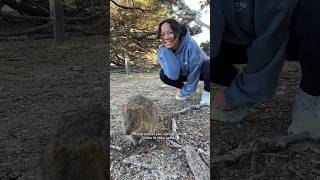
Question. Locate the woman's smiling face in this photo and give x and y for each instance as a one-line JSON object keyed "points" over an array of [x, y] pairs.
{"points": [[168, 37]]}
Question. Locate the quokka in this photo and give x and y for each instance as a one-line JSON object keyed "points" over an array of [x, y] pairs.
{"points": [[78, 148], [139, 117]]}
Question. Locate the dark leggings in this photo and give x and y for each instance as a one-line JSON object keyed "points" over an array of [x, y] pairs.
{"points": [[179, 83], [304, 44], [223, 70], [304, 51]]}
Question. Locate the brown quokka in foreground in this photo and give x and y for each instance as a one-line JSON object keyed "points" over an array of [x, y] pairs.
{"points": [[77, 151], [140, 117]]}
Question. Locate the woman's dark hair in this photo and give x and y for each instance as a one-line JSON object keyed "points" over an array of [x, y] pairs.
{"points": [[176, 27]]}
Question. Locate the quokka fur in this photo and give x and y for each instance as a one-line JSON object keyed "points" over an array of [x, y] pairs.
{"points": [[139, 117]]}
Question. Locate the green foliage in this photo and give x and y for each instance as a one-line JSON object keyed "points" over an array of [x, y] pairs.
{"points": [[196, 29], [133, 29], [204, 4], [205, 46], [181, 10], [68, 2]]}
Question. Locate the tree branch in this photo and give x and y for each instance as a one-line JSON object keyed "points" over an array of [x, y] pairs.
{"points": [[24, 17], [130, 8], [26, 7], [260, 145], [195, 19]]}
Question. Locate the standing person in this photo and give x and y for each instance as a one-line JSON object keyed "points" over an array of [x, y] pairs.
{"points": [[304, 46], [182, 61], [251, 32]]}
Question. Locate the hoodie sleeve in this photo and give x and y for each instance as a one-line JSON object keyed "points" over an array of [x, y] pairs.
{"points": [[266, 54], [169, 63], [195, 62]]}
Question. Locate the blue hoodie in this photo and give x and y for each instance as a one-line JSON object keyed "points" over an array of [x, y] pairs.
{"points": [[263, 26], [186, 61]]}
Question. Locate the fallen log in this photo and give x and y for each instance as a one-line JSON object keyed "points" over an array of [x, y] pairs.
{"points": [[135, 162], [24, 38], [192, 107], [26, 7], [199, 168], [48, 28], [31, 30]]}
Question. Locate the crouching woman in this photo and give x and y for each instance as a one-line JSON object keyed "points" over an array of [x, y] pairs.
{"points": [[183, 63]]}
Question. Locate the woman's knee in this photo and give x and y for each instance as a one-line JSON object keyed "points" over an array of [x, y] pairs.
{"points": [[165, 79]]}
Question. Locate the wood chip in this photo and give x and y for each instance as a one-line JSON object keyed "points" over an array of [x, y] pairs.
{"points": [[135, 162], [115, 147]]}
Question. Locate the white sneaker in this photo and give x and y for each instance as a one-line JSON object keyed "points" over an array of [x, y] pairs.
{"points": [[181, 98], [205, 98], [306, 114], [231, 115]]}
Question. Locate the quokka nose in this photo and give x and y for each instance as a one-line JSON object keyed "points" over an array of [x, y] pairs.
{"points": [[128, 132]]}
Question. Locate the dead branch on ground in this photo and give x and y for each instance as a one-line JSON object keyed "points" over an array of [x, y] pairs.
{"points": [[197, 165], [260, 146]]}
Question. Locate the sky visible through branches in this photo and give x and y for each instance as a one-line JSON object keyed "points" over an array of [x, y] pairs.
{"points": [[205, 17]]}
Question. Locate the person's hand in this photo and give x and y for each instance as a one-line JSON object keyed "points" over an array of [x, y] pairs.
{"points": [[219, 99], [178, 92], [161, 46], [179, 96]]}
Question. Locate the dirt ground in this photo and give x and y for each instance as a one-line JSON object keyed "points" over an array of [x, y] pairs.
{"points": [[39, 82], [162, 160], [159, 158], [298, 161]]}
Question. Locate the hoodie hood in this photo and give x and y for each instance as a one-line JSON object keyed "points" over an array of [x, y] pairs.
{"points": [[184, 41]]}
